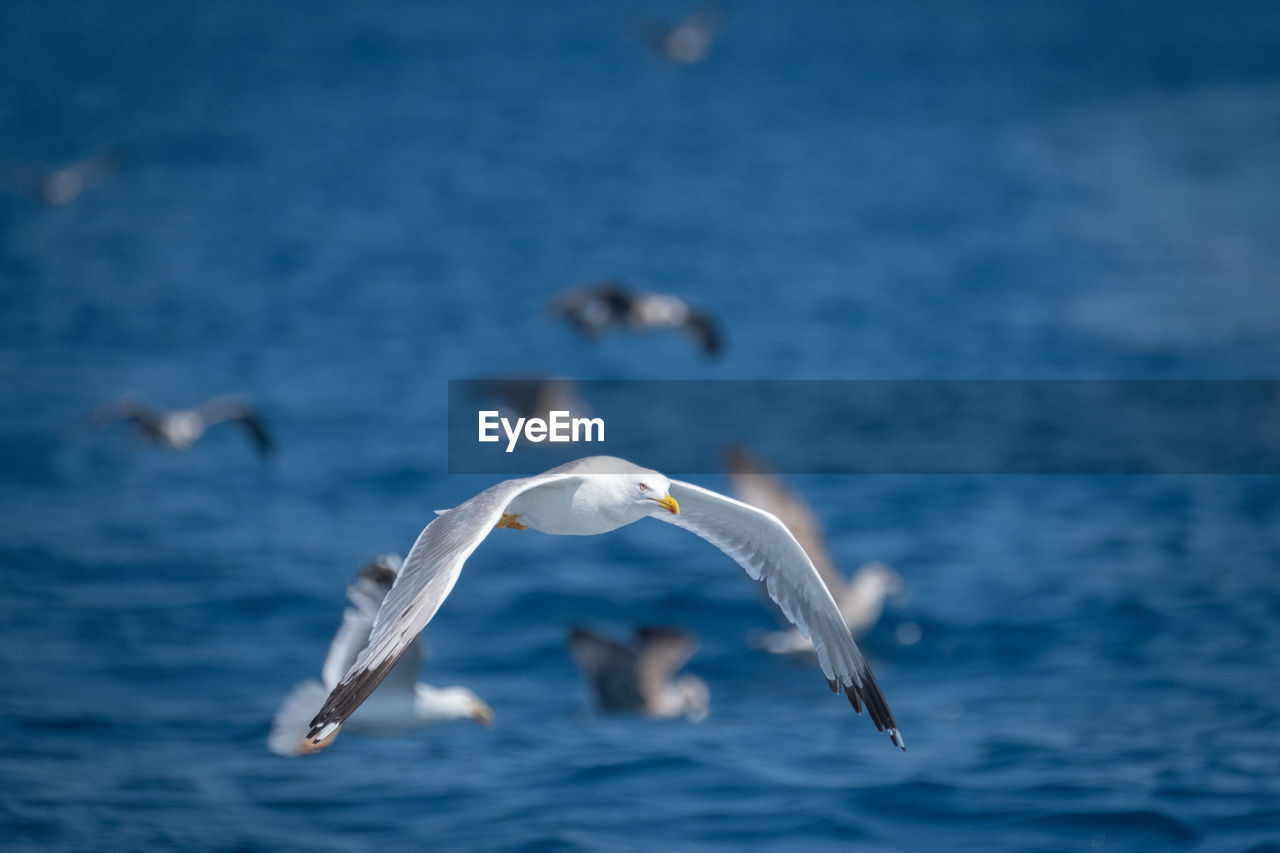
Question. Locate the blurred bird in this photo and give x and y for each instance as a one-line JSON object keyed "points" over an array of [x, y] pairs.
{"points": [[64, 185], [400, 704], [592, 310], [181, 428], [861, 601], [638, 678], [535, 397], [687, 42]]}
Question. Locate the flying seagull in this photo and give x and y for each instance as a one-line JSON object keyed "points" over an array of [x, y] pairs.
{"points": [[861, 601], [66, 183], [534, 396], [686, 42], [594, 309], [400, 704], [637, 678], [585, 497], [180, 428]]}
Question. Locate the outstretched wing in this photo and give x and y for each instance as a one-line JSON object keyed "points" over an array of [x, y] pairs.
{"points": [[754, 484], [290, 722], [144, 417], [610, 668], [428, 575], [763, 546], [367, 595], [590, 310], [705, 332], [660, 653], [231, 408]]}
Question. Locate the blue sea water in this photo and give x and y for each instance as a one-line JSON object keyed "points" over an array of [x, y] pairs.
{"points": [[337, 207]]}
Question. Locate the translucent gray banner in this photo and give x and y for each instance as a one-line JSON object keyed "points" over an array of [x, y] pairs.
{"points": [[871, 427]]}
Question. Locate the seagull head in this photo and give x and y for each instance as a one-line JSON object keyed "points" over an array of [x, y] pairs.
{"points": [[879, 580], [652, 486], [480, 712], [695, 698], [437, 704]]}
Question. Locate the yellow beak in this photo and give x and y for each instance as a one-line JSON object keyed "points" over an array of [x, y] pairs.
{"points": [[668, 503], [483, 715]]}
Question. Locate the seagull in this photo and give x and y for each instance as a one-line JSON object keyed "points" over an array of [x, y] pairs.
{"points": [[65, 184], [586, 497], [687, 42], [400, 704], [535, 396], [180, 428], [591, 310], [637, 678], [861, 601]]}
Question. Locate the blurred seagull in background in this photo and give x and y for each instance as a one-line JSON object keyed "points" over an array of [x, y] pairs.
{"points": [[637, 678], [861, 601], [586, 497], [181, 428], [535, 397], [399, 705], [64, 185], [594, 309], [687, 42]]}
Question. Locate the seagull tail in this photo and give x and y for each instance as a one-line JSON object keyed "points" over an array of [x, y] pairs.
{"points": [[289, 728]]}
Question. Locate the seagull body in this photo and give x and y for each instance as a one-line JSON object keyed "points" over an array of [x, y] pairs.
{"points": [[686, 42], [400, 704], [180, 428], [594, 309], [65, 184], [586, 497], [637, 678], [536, 397], [861, 601]]}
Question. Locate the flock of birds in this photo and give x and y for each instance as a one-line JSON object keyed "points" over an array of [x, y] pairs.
{"points": [[686, 42], [586, 497], [369, 682]]}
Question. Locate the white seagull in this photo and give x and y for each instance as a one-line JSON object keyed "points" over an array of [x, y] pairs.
{"points": [[594, 309], [178, 429], [686, 42], [583, 498], [400, 704], [65, 184], [637, 678], [861, 600]]}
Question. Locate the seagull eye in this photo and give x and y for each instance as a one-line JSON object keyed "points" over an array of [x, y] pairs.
{"points": [[643, 487]]}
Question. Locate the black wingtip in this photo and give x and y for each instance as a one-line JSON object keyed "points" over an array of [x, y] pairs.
{"points": [[869, 694], [347, 696]]}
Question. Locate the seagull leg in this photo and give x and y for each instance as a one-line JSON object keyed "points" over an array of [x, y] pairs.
{"points": [[511, 520]]}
